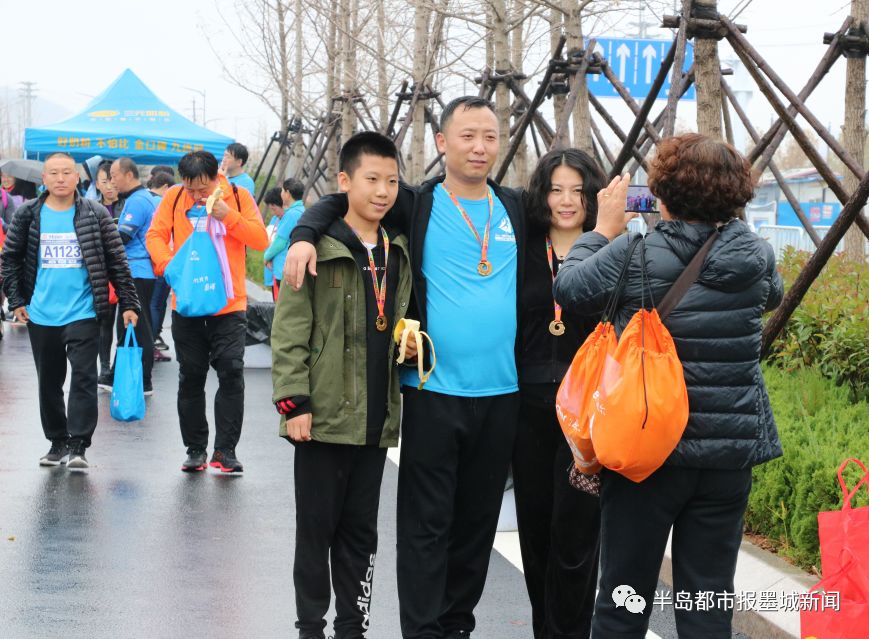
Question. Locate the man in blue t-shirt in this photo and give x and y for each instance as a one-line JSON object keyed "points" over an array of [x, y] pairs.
{"points": [[234, 159], [61, 253], [467, 239], [133, 223], [291, 193]]}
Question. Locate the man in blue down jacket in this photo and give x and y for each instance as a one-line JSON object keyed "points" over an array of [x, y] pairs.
{"points": [[702, 490]]}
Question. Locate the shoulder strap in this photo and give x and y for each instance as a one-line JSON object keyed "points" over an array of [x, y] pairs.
{"points": [[686, 279], [616, 294], [177, 197], [237, 201], [5, 198]]}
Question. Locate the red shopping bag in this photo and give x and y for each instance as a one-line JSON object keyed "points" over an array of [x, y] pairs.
{"points": [[844, 538], [829, 614], [113, 296]]}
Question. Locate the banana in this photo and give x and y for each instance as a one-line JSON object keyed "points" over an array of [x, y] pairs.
{"points": [[405, 329], [212, 199]]}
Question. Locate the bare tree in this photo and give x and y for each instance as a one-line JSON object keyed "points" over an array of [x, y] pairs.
{"points": [[855, 127], [708, 77]]}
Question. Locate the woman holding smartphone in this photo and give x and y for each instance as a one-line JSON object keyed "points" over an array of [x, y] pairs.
{"points": [[558, 525]]}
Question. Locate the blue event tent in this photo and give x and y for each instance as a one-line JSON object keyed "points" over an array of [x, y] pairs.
{"points": [[126, 119]]}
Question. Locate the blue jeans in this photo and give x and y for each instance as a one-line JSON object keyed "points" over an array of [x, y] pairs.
{"points": [[158, 305]]}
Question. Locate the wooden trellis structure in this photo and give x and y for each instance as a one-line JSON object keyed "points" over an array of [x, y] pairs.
{"points": [[699, 21]]}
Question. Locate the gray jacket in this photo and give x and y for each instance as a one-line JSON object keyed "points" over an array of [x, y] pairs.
{"points": [[716, 328]]}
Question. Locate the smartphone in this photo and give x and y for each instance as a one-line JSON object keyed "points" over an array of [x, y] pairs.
{"points": [[641, 200]]}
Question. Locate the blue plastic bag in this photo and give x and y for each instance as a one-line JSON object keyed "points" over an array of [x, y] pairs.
{"points": [[128, 393], [195, 276]]}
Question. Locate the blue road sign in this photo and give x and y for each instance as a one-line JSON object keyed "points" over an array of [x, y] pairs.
{"points": [[636, 63]]}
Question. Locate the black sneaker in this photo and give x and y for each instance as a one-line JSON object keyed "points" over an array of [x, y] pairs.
{"points": [[160, 357], [149, 389], [160, 345], [196, 461], [225, 461], [77, 460], [55, 456], [105, 382]]}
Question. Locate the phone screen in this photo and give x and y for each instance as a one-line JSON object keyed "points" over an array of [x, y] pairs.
{"points": [[641, 200]]}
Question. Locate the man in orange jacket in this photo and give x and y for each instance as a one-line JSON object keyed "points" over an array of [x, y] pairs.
{"points": [[216, 339]]}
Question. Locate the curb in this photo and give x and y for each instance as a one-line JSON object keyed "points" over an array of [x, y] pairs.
{"points": [[758, 570]]}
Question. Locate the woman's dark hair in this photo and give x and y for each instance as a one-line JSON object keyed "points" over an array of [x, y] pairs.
{"points": [[198, 164], [700, 179], [104, 167], [273, 196], [536, 197]]}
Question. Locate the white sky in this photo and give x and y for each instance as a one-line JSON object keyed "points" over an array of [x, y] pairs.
{"points": [[73, 50]]}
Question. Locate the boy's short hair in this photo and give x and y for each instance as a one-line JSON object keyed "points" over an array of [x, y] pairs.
{"points": [[160, 179], [294, 187], [365, 143], [162, 168], [198, 164], [273, 196], [239, 152]]}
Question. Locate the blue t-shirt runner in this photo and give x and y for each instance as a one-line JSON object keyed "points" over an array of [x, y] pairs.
{"points": [[134, 222], [285, 227], [62, 294], [471, 318], [243, 180]]}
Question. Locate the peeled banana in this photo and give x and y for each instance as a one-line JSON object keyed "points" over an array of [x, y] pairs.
{"points": [[212, 199], [404, 330]]}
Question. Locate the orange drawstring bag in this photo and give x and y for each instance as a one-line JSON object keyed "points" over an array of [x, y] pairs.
{"points": [[640, 409], [573, 402]]}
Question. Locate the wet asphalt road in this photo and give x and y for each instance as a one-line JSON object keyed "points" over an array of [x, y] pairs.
{"points": [[135, 548]]}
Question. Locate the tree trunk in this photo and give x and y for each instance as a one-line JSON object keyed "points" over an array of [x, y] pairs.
{"points": [[556, 24], [502, 66], [422, 19], [298, 96], [348, 116], [284, 158], [519, 166], [855, 128], [581, 115], [708, 76], [382, 79], [333, 72]]}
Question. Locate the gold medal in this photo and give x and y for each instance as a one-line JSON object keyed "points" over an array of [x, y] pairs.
{"points": [[380, 323], [484, 268], [556, 327]]}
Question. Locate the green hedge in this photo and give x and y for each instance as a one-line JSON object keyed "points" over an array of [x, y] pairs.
{"points": [[830, 328], [820, 426]]}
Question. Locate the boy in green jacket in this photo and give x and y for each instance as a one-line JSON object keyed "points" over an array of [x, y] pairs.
{"points": [[336, 387]]}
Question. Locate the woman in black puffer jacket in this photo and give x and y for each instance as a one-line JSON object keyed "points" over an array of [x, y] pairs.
{"points": [[702, 490]]}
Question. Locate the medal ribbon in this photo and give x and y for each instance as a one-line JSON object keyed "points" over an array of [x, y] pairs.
{"points": [[484, 242], [379, 289], [552, 271]]}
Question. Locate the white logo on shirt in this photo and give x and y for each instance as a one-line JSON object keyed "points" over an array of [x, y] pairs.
{"points": [[60, 250], [506, 234]]}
